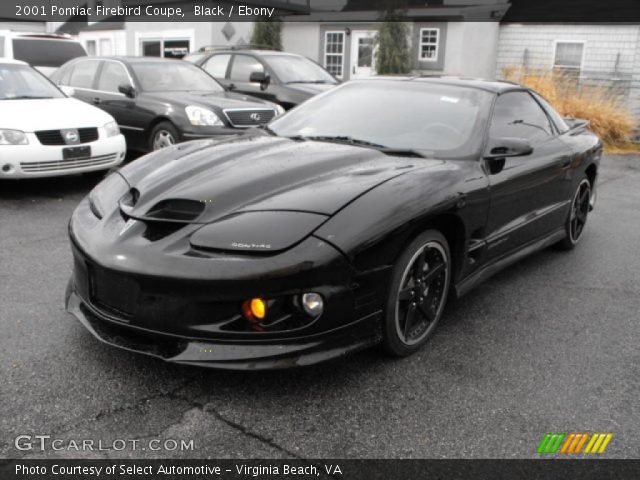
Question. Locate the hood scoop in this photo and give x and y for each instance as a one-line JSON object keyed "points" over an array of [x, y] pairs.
{"points": [[175, 210]]}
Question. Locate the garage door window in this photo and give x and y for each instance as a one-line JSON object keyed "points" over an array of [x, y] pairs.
{"points": [[168, 48], [568, 55]]}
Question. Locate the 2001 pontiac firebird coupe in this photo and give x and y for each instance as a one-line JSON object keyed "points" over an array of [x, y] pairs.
{"points": [[343, 224]]}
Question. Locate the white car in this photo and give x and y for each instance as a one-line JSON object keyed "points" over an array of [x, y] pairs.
{"points": [[43, 132], [44, 51]]}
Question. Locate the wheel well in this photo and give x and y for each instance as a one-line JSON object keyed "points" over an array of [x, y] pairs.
{"points": [[156, 121], [452, 227], [591, 173]]}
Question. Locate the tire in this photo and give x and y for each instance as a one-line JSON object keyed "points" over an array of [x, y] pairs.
{"points": [[163, 135], [577, 216], [417, 294]]}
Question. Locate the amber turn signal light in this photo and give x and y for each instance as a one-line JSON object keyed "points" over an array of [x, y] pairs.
{"points": [[255, 309]]}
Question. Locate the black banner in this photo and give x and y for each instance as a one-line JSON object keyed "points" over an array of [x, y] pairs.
{"points": [[320, 468], [335, 11]]}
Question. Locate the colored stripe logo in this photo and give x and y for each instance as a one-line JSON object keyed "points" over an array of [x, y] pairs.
{"points": [[573, 443]]}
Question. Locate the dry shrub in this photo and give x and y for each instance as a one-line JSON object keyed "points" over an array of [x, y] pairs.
{"points": [[607, 115]]}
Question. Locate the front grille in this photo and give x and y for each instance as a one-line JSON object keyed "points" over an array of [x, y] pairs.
{"points": [[249, 117], [114, 293], [54, 137], [61, 165]]}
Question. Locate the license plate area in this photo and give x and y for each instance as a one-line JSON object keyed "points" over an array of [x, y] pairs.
{"points": [[115, 294], [74, 153]]}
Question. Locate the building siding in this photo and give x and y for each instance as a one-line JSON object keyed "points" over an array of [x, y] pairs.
{"points": [[611, 54]]}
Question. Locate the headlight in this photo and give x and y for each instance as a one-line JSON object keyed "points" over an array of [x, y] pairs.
{"points": [[106, 194], [202, 116], [13, 137], [112, 129], [279, 110]]}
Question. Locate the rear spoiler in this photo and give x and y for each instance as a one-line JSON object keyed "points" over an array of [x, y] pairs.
{"points": [[576, 123]]}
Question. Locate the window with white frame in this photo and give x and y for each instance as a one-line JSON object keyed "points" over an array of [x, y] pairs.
{"points": [[429, 42], [568, 55], [334, 52]]}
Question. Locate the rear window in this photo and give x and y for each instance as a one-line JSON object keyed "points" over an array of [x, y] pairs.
{"points": [[46, 52]]}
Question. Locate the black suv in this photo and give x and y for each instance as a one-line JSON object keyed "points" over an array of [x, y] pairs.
{"points": [[158, 102], [284, 78]]}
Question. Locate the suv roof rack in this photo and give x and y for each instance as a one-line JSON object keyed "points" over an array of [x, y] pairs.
{"points": [[244, 46]]}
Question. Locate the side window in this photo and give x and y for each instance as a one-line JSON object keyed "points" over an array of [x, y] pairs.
{"points": [[243, 66], [556, 118], [112, 76], [216, 66], [1, 46], [84, 73], [517, 114], [65, 75]]}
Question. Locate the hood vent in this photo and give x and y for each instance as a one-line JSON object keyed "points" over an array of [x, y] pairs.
{"points": [[177, 210]]}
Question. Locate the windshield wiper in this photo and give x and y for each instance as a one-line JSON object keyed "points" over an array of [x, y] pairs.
{"points": [[400, 152], [267, 129], [344, 139]]}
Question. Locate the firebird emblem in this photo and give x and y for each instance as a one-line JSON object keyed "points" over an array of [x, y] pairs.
{"points": [[255, 117]]}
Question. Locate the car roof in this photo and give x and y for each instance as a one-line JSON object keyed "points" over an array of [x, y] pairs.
{"points": [[131, 59], [39, 35], [11, 61], [253, 51], [493, 86]]}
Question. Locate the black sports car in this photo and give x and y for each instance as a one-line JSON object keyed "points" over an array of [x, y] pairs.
{"points": [[345, 223], [158, 102], [284, 78]]}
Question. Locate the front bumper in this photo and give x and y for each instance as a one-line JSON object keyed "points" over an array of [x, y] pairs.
{"points": [[36, 160], [229, 355]]}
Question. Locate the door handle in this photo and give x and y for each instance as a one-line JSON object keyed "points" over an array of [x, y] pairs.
{"points": [[96, 101]]}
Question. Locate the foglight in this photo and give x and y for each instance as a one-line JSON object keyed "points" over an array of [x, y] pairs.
{"points": [[312, 304]]}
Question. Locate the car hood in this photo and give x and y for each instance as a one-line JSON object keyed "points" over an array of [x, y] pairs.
{"points": [[311, 88], [222, 99], [50, 114], [258, 172]]}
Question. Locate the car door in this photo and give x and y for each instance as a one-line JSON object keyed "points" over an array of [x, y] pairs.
{"points": [[122, 108], [528, 195], [83, 79]]}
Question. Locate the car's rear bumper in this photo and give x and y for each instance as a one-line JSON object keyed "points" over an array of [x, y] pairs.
{"points": [[227, 354], [36, 160]]}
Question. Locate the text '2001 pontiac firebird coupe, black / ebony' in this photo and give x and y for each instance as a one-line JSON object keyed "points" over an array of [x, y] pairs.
{"points": [[344, 224]]}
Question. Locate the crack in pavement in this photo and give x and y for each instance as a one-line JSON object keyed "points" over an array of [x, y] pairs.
{"points": [[105, 414]]}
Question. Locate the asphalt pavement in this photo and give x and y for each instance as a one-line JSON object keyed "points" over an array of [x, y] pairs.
{"points": [[551, 344]]}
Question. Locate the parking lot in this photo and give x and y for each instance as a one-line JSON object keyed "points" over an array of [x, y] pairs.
{"points": [[549, 345]]}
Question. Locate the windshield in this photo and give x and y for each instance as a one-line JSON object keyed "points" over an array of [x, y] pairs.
{"points": [[23, 82], [46, 52], [293, 69], [435, 119], [174, 76]]}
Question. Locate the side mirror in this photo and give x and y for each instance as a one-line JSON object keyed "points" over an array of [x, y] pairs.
{"points": [[260, 77], [68, 91], [500, 149], [127, 90]]}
